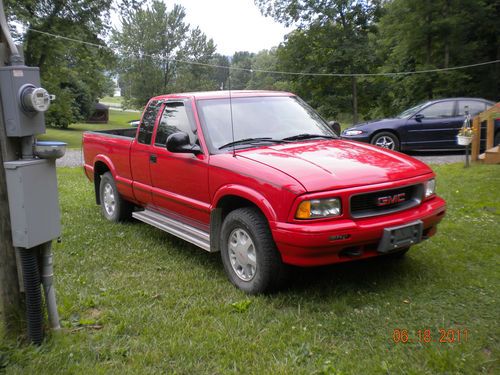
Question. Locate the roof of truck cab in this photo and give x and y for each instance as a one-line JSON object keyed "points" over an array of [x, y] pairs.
{"points": [[223, 94]]}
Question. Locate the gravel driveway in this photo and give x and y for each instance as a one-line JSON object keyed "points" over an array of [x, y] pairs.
{"points": [[74, 158], [444, 157]]}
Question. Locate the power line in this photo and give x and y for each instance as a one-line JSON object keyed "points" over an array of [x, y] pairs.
{"points": [[385, 74]]}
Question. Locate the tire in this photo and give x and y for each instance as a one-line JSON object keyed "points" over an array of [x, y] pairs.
{"points": [[496, 141], [386, 140], [249, 254], [113, 206]]}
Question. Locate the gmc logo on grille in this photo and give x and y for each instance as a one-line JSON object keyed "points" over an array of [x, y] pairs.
{"points": [[391, 199]]}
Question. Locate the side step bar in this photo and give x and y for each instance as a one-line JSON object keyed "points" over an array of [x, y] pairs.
{"points": [[186, 232]]}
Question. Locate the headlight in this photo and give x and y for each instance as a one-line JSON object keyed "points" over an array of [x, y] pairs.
{"points": [[430, 188], [352, 132], [317, 208]]}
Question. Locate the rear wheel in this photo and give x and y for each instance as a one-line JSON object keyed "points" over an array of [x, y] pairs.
{"points": [[496, 142], [113, 206], [386, 140], [251, 260]]}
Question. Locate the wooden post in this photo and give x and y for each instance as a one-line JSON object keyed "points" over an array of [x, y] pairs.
{"points": [[11, 299], [490, 131], [476, 140]]}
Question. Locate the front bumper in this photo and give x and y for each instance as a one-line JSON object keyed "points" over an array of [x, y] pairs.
{"points": [[358, 138], [335, 241]]}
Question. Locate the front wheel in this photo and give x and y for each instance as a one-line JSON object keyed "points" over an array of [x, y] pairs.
{"points": [[386, 140], [113, 206], [249, 255]]}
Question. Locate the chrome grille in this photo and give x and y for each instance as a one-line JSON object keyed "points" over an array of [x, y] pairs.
{"points": [[385, 201]]}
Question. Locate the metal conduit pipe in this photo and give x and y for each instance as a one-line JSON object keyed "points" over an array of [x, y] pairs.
{"points": [[15, 56], [31, 279], [27, 147], [48, 287]]}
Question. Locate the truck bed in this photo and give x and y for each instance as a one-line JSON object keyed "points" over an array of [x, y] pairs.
{"points": [[127, 132], [113, 145]]}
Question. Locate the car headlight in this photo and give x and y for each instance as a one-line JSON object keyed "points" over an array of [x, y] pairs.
{"points": [[352, 132], [430, 187], [317, 208]]}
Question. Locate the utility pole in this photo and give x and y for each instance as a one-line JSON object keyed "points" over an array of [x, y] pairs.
{"points": [[11, 299]]}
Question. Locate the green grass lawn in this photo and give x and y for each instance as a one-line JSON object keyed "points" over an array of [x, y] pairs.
{"points": [[111, 99], [133, 299], [73, 135]]}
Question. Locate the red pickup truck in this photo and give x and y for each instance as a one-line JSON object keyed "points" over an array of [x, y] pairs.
{"points": [[260, 177]]}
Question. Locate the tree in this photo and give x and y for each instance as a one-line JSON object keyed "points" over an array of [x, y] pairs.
{"points": [[193, 77], [155, 46], [220, 74], [241, 74], [332, 37], [74, 72], [438, 34], [266, 60]]}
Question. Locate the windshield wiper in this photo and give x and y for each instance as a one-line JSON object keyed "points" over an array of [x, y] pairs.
{"points": [[307, 136], [251, 141]]}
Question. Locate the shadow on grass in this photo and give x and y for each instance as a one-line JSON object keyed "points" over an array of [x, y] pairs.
{"points": [[371, 275], [363, 275]]}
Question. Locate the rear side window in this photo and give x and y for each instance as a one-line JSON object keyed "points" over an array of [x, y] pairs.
{"points": [[174, 119], [148, 122], [439, 110], [474, 107]]}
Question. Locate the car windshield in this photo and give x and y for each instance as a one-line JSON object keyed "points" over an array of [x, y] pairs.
{"points": [[276, 119], [410, 112]]}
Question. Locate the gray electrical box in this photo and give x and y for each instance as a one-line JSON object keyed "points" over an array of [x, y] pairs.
{"points": [[33, 201], [19, 123]]}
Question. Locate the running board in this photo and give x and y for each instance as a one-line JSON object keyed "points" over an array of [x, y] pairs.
{"points": [[186, 232]]}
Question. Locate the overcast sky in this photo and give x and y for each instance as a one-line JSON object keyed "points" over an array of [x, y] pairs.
{"points": [[234, 25]]}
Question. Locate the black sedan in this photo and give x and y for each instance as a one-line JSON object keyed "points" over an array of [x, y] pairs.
{"points": [[430, 125]]}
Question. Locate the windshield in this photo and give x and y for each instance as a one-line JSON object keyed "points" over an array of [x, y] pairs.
{"points": [[274, 118], [410, 112]]}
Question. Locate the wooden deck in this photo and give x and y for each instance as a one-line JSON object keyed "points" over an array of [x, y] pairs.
{"points": [[492, 154]]}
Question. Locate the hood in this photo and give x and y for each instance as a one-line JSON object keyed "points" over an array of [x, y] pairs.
{"points": [[385, 121], [336, 164]]}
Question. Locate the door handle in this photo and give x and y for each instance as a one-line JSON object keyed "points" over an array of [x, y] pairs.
{"points": [[153, 158]]}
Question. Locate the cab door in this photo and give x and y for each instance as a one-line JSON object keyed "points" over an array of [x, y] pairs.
{"points": [[140, 153], [180, 181]]}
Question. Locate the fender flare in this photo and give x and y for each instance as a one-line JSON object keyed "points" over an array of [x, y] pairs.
{"points": [[246, 193], [109, 164], [107, 161], [236, 191]]}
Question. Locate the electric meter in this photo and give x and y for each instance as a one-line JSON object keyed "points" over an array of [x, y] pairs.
{"points": [[35, 99], [23, 101]]}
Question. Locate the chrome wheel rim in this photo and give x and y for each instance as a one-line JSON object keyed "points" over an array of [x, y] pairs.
{"points": [[242, 255], [109, 199], [385, 142]]}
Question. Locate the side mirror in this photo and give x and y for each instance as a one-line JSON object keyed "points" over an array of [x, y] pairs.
{"points": [[419, 117], [335, 127], [179, 143]]}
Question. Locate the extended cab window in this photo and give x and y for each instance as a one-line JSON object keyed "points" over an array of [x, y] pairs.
{"points": [[148, 122], [174, 119]]}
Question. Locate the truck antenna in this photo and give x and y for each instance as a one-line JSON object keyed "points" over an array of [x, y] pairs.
{"points": [[231, 109]]}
